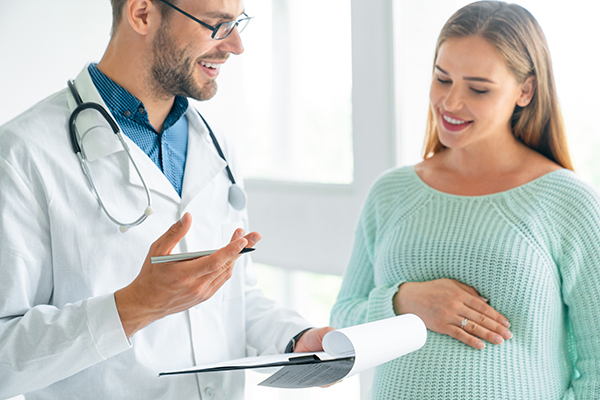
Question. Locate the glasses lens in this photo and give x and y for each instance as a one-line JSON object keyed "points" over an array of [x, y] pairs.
{"points": [[243, 23], [227, 27]]}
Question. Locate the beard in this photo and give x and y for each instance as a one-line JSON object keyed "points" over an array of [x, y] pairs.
{"points": [[172, 70]]}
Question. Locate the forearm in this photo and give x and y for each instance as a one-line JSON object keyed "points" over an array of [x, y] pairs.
{"points": [[48, 344], [352, 310]]}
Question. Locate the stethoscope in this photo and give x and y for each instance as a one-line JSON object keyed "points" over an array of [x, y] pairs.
{"points": [[236, 195]]}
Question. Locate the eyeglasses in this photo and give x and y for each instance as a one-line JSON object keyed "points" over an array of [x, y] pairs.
{"points": [[220, 31]]}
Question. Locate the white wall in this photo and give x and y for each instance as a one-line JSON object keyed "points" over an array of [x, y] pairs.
{"points": [[43, 44]]}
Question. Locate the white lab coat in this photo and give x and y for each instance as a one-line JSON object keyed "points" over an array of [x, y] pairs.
{"points": [[61, 260]]}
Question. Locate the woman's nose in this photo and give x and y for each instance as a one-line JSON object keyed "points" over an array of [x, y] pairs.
{"points": [[453, 99]]}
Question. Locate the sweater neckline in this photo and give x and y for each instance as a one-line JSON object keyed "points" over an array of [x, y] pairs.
{"points": [[485, 196]]}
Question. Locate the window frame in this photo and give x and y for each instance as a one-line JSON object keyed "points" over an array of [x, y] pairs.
{"points": [[311, 226]]}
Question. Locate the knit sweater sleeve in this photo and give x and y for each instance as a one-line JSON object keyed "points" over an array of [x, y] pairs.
{"points": [[360, 299], [576, 241]]}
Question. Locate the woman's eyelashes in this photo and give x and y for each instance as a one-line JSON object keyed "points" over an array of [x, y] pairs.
{"points": [[448, 81], [479, 91]]}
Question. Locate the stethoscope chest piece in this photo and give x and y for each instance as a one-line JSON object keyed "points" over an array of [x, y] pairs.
{"points": [[237, 197]]}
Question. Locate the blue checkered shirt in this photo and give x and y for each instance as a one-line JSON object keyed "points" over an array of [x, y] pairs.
{"points": [[168, 148]]}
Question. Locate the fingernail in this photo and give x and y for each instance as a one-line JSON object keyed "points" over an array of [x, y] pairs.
{"points": [[506, 323], [507, 334], [480, 345], [484, 299], [498, 339]]}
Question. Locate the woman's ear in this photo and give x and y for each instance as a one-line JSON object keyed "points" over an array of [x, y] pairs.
{"points": [[527, 91]]}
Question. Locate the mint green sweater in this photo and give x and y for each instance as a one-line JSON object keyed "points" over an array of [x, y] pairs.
{"points": [[533, 251]]}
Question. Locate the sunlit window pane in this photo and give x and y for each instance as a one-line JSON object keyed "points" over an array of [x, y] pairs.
{"points": [[287, 99]]}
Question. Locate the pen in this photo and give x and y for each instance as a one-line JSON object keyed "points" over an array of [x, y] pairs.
{"points": [[189, 256]]}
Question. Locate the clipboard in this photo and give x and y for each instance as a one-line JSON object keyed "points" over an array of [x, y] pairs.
{"points": [[348, 351]]}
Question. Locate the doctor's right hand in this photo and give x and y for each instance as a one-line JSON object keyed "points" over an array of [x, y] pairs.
{"points": [[169, 288]]}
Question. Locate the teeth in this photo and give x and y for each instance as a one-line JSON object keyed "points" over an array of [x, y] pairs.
{"points": [[453, 121], [210, 65]]}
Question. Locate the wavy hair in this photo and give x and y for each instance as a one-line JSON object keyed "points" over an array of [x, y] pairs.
{"points": [[518, 37]]}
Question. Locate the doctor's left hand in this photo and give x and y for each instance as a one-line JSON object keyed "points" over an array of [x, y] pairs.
{"points": [[312, 340], [163, 289]]}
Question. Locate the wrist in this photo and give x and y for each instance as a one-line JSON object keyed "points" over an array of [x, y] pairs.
{"points": [[399, 299], [134, 316], [291, 346]]}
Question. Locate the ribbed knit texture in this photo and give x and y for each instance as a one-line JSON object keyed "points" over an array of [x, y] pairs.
{"points": [[533, 251]]}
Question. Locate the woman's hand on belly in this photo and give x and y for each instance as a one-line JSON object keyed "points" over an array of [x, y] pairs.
{"points": [[452, 308]]}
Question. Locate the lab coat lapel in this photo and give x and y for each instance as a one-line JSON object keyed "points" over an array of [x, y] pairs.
{"points": [[102, 142], [203, 163], [95, 135]]}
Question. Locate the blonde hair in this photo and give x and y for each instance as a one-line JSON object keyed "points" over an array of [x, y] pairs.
{"points": [[517, 36]]}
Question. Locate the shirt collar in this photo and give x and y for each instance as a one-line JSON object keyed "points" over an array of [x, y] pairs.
{"points": [[123, 104]]}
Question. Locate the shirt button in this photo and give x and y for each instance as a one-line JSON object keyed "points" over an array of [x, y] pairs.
{"points": [[208, 392], [141, 110], [127, 113]]}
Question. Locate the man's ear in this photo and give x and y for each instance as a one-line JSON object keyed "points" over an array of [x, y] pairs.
{"points": [[141, 15], [527, 91]]}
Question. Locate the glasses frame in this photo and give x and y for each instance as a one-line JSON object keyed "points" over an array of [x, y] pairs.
{"points": [[214, 29]]}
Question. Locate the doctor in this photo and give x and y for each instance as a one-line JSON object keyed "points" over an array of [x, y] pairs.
{"points": [[79, 318]]}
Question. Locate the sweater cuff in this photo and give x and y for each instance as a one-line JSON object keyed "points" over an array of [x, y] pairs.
{"points": [[105, 326], [381, 303]]}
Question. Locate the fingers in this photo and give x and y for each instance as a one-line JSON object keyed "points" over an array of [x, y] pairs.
{"points": [[232, 250], [444, 304], [482, 307], [165, 244], [252, 237], [462, 335], [480, 322], [485, 328], [312, 340]]}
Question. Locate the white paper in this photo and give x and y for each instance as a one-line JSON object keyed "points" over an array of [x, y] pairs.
{"points": [[378, 342], [348, 351]]}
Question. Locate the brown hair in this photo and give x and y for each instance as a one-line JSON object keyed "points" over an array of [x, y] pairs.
{"points": [[517, 36], [119, 5]]}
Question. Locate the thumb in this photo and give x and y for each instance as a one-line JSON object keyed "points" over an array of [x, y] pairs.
{"points": [[312, 340], [170, 238]]}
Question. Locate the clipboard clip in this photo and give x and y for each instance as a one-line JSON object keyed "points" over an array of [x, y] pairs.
{"points": [[312, 358]]}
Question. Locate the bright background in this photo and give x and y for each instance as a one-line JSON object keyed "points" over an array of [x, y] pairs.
{"points": [[328, 95]]}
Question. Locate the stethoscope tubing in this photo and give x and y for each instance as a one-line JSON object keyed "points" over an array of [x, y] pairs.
{"points": [[81, 106], [236, 197]]}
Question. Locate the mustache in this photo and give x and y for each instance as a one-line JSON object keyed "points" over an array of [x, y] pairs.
{"points": [[214, 56]]}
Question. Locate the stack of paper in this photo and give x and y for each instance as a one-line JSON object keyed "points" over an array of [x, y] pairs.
{"points": [[347, 352]]}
